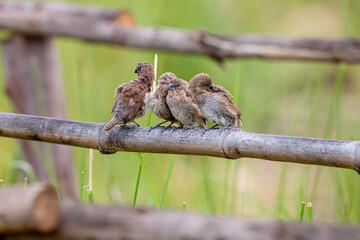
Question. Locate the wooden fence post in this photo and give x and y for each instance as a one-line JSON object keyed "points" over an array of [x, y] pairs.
{"points": [[34, 84]]}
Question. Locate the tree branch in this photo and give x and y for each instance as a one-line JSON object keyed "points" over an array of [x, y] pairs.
{"points": [[79, 222], [34, 21], [232, 143], [34, 208]]}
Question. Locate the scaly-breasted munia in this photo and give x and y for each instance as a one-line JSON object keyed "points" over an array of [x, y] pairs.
{"points": [[215, 102], [129, 104], [182, 106], [156, 99]]}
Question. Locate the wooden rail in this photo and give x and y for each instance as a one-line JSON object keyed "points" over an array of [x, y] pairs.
{"points": [[80, 222], [231, 143], [32, 19]]}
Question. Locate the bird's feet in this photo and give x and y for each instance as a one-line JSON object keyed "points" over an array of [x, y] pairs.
{"points": [[181, 126], [212, 127], [137, 124], [157, 125], [192, 127], [226, 126], [168, 126]]}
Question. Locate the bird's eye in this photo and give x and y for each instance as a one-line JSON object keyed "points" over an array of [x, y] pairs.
{"points": [[206, 83], [177, 85]]}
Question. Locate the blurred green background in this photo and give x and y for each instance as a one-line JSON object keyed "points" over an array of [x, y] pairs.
{"points": [[276, 97]]}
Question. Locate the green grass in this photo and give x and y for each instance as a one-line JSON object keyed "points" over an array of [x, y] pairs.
{"points": [[167, 180], [81, 185], [302, 210], [137, 186], [147, 178], [91, 197], [310, 213], [276, 97]]}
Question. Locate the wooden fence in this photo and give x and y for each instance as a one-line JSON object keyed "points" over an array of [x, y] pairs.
{"points": [[34, 26], [32, 220]]}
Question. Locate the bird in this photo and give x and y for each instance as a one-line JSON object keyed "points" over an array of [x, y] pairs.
{"points": [[214, 102], [129, 104], [182, 106], [156, 100]]}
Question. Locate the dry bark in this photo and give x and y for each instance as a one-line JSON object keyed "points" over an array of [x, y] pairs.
{"points": [[79, 222], [34, 84], [91, 13], [35, 208], [44, 22], [231, 143]]}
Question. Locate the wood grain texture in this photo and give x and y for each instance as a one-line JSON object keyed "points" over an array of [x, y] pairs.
{"points": [[79, 222], [35, 208], [45, 22], [62, 9], [231, 143]]}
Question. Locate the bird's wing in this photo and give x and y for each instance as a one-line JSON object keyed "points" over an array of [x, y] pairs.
{"points": [[132, 96], [219, 89], [197, 113], [117, 92], [119, 89], [226, 102]]}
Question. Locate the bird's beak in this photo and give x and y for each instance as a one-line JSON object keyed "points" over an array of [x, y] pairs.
{"points": [[136, 70], [171, 86], [211, 89]]}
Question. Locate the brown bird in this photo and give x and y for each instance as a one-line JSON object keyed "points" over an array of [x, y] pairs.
{"points": [[215, 102], [182, 106], [129, 104], [156, 99]]}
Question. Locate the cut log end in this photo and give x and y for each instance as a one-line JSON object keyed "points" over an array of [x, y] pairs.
{"points": [[31, 209], [46, 211]]}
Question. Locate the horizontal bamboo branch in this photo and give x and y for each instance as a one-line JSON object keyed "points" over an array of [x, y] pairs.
{"points": [[43, 21], [231, 143], [80, 222]]}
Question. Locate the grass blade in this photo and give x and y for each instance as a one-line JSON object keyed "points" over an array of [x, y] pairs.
{"points": [[309, 207], [167, 180], [81, 185], [302, 210], [91, 197], [153, 195], [91, 157], [184, 206], [1, 182], [137, 186]]}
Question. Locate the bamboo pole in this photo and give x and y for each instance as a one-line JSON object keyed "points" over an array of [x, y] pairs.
{"points": [[81, 222], [231, 143], [34, 208], [38, 22]]}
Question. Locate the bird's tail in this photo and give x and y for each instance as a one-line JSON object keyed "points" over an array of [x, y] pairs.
{"points": [[238, 122], [202, 123], [111, 124]]}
